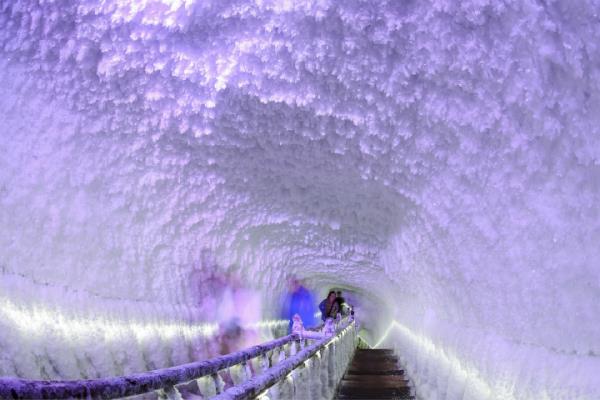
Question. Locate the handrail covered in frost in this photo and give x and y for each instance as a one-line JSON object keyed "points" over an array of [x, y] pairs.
{"points": [[255, 386], [164, 380], [135, 383]]}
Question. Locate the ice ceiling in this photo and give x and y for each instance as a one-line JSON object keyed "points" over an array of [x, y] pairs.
{"points": [[439, 159]]}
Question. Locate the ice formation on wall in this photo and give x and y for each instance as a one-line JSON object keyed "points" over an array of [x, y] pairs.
{"points": [[440, 159]]}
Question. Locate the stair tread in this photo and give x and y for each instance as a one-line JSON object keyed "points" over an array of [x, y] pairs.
{"points": [[374, 374], [377, 394], [373, 397], [375, 358], [386, 378], [371, 372], [373, 384], [375, 350], [377, 365], [380, 390]]}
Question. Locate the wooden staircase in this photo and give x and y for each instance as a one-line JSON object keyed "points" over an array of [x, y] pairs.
{"points": [[374, 374]]}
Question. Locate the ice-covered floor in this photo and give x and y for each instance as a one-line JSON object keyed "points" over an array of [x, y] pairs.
{"points": [[440, 160]]}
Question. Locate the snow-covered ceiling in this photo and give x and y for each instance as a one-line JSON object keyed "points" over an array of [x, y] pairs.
{"points": [[439, 158]]}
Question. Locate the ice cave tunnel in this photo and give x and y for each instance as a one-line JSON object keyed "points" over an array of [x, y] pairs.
{"points": [[438, 161]]}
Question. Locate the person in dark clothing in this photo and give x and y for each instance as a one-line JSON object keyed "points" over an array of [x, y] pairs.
{"points": [[329, 307], [342, 305]]}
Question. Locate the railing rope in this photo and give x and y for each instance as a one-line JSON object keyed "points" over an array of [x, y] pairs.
{"points": [[258, 384], [134, 384], [245, 380]]}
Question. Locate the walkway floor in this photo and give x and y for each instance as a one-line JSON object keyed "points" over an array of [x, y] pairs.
{"points": [[374, 374]]}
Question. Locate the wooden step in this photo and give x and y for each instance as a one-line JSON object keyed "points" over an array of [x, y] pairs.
{"points": [[374, 384], [378, 365], [374, 374], [381, 372], [384, 396], [375, 355], [374, 359], [387, 378], [375, 351], [374, 393], [376, 380]]}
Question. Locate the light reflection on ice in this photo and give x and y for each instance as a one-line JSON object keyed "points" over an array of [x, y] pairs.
{"points": [[39, 320]]}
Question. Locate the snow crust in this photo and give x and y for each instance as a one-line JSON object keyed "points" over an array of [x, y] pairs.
{"points": [[439, 159]]}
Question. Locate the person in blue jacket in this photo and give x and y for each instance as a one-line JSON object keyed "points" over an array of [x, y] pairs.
{"points": [[299, 301]]}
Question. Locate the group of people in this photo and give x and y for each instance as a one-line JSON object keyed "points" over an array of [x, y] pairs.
{"points": [[300, 301], [333, 305]]}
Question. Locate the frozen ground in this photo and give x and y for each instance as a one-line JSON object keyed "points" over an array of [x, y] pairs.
{"points": [[440, 159]]}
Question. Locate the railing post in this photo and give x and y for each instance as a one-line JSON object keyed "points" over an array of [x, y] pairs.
{"points": [[247, 370], [281, 354], [329, 327], [207, 387], [219, 383], [316, 367], [331, 383], [293, 347], [264, 362], [297, 325], [169, 393]]}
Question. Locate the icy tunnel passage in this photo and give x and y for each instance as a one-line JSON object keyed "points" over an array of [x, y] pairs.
{"points": [[439, 160]]}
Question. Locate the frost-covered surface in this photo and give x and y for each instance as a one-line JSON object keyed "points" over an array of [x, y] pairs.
{"points": [[507, 369], [439, 158], [284, 368], [144, 382], [312, 373]]}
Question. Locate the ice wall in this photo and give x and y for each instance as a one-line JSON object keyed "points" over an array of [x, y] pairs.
{"points": [[441, 159]]}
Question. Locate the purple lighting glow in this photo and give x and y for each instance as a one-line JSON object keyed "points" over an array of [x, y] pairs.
{"points": [[168, 166]]}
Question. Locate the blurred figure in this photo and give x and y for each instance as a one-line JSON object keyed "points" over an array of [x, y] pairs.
{"points": [[329, 307], [299, 301], [222, 298], [248, 311], [238, 311], [230, 334]]}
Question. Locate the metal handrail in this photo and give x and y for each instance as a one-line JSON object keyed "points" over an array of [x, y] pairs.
{"points": [[134, 384]]}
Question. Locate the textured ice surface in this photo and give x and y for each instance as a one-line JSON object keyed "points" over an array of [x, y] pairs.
{"points": [[439, 158]]}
